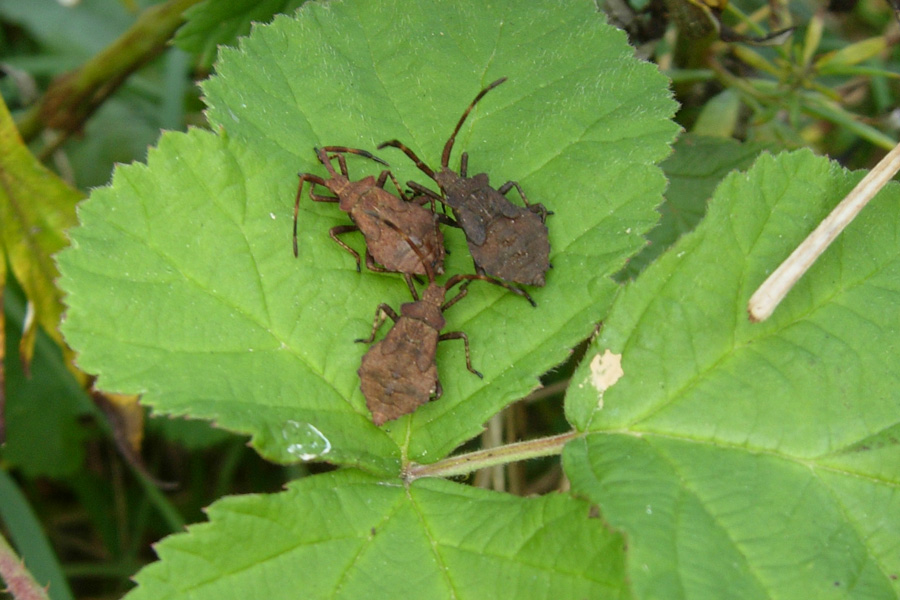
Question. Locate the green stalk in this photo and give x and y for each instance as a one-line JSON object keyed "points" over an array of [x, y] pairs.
{"points": [[74, 96]]}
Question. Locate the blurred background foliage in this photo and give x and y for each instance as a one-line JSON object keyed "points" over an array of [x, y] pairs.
{"points": [[87, 483]]}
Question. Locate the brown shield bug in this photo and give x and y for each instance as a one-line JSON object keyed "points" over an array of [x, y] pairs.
{"points": [[399, 373], [505, 240], [365, 201]]}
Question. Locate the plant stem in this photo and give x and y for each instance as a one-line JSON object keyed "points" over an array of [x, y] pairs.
{"points": [[74, 96], [23, 528], [158, 499], [547, 391], [19, 581], [480, 459]]}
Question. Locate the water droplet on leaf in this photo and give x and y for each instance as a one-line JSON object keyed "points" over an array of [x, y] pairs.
{"points": [[304, 440]]}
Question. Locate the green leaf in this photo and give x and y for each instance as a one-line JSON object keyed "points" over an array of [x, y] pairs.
{"points": [[697, 165], [346, 535], [754, 460], [35, 207], [720, 116], [214, 22], [118, 132], [46, 406], [821, 107], [182, 283], [852, 54], [168, 295]]}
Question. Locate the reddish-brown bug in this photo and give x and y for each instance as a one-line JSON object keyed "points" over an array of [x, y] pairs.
{"points": [[505, 240], [399, 373], [365, 201]]}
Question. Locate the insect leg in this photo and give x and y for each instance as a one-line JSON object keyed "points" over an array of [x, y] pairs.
{"points": [[411, 286], [459, 335], [334, 232], [515, 290], [320, 197], [432, 197], [463, 290], [342, 163], [372, 265], [535, 208], [313, 179], [381, 312], [382, 178]]}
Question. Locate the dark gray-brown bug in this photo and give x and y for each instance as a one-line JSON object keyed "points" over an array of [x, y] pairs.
{"points": [[399, 373], [506, 241], [366, 202]]}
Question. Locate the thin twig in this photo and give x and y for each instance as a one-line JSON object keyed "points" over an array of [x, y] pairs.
{"points": [[480, 459], [780, 282]]}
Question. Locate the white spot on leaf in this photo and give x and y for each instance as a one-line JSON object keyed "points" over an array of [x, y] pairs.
{"points": [[606, 370]]}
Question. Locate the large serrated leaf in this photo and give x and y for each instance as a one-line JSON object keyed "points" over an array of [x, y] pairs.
{"points": [[345, 535], [182, 284], [754, 460], [224, 308]]}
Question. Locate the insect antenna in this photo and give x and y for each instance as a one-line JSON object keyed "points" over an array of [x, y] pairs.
{"points": [[445, 157], [412, 155], [322, 155], [357, 151]]}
